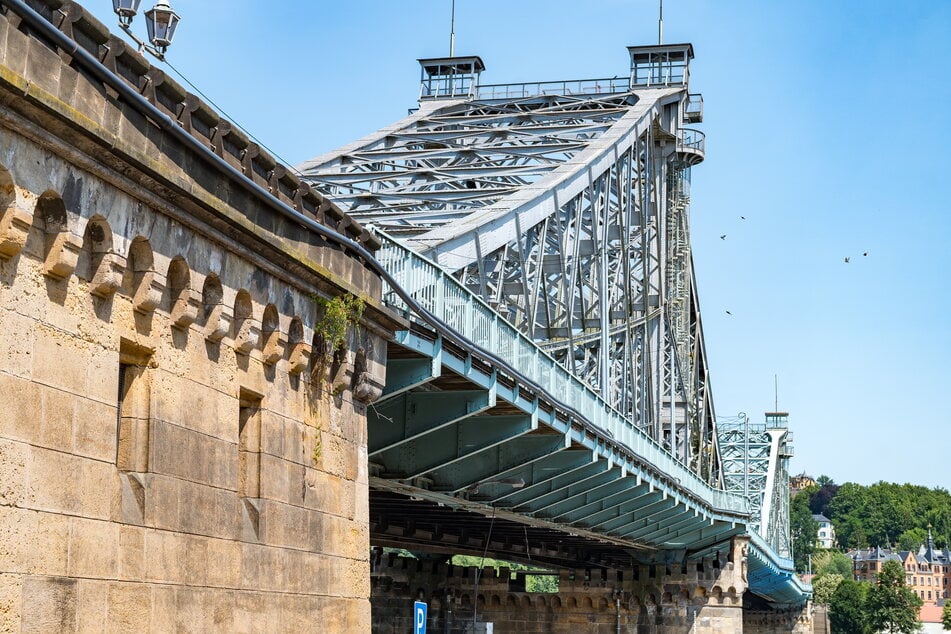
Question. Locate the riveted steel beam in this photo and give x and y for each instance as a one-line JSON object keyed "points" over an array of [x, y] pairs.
{"points": [[411, 415], [656, 520], [449, 444], [580, 507], [551, 473], [599, 521], [497, 463], [638, 517], [406, 374], [571, 492], [609, 506]]}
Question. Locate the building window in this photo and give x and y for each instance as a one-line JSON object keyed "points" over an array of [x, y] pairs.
{"points": [[249, 459], [132, 416]]}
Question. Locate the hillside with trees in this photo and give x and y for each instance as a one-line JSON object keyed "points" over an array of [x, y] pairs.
{"points": [[878, 515]]}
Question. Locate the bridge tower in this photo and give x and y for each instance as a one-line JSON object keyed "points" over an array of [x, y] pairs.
{"points": [[565, 206], [755, 460]]}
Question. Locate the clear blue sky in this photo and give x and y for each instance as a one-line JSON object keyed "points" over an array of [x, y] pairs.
{"points": [[827, 127]]}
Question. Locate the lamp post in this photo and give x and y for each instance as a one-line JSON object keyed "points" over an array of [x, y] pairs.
{"points": [[160, 21]]}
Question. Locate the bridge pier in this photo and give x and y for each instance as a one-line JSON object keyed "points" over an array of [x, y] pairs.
{"points": [[705, 597]]}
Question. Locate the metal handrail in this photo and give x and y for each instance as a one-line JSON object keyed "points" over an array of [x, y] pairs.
{"points": [[609, 85], [447, 298], [691, 139]]}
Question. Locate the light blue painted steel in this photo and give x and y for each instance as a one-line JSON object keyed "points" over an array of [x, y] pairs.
{"points": [[449, 300], [670, 522]]}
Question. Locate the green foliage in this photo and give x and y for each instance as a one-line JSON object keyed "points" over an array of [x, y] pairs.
{"points": [[338, 313], [824, 586], [802, 530], [885, 513], [824, 480], [826, 562], [847, 608], [890, 606], [912, 538], [946, 616], [533, 583]]}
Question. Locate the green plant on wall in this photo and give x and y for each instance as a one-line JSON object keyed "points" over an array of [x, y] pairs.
{"points": [[338, 313]]}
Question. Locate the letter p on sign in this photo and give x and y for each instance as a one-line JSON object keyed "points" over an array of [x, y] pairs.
{"points": [[419, 618]]}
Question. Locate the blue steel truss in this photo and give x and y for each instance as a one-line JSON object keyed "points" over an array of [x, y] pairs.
{"points": [[548, 224]]}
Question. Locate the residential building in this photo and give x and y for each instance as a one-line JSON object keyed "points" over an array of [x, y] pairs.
{"points": [[927, 571], [825, 536]]}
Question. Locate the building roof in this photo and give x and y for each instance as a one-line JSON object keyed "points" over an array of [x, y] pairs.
{"points": [[822, 518]]}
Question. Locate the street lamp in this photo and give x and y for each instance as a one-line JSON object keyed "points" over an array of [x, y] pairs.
{"points": [[126, 10], [160, 21]]}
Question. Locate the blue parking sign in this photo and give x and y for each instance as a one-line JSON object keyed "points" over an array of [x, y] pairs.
{"points": [[419, 618]]}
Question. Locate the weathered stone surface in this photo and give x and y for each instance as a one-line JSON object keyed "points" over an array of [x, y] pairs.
{"points": [[124, 377], [51, 606]]}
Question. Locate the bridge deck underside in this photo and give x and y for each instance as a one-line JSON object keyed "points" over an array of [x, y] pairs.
{"points": [[453, 432]]}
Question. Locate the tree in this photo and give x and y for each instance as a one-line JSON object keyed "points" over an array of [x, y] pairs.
{"points": [[820, 499], [912, 538], [802, 530], [823, 480], [832, 561], [824, 586], [847, 608], [890, 606], [946, 616]]}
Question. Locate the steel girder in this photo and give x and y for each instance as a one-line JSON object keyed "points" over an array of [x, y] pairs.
{"points": [[462, 433], [569, 215]]}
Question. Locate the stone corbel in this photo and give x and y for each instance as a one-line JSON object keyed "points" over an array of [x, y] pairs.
{"points": [[148, 293], [108, 276], [298, 357], [185, 309], [218, 324], [365, 386], [14, 229], [62, 255], [246, 336], [273, 348]]}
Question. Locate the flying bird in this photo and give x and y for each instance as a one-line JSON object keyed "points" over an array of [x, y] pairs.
{"points": [[729, 313], [723, 237], [865, 254], [742, 217], [846, 260]]}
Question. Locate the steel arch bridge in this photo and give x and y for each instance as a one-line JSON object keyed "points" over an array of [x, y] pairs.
{"points": [[559, 210]]}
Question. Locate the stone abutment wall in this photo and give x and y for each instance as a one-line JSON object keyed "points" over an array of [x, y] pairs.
{"points": [[702, 597], [177, 453]]}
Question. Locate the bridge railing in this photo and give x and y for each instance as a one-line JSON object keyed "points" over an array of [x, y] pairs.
{"points": [[473, 318], [608, 85]]}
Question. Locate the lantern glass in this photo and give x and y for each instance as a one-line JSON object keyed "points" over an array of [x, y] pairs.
{"points": [[161, 22], [126, 10]]}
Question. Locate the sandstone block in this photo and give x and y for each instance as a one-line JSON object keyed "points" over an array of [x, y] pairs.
{"points": [[21, 416], [93, 549], [52, 605], [130, 605], [92, 606], [224, 563], [163, 618], [47, 488], [14, 472], [16, 344], [131, 553], [94, 431], [60, 360], [56, 426]]}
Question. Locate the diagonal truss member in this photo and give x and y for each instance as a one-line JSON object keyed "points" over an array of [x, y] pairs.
{"points": [[565, 205]]}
